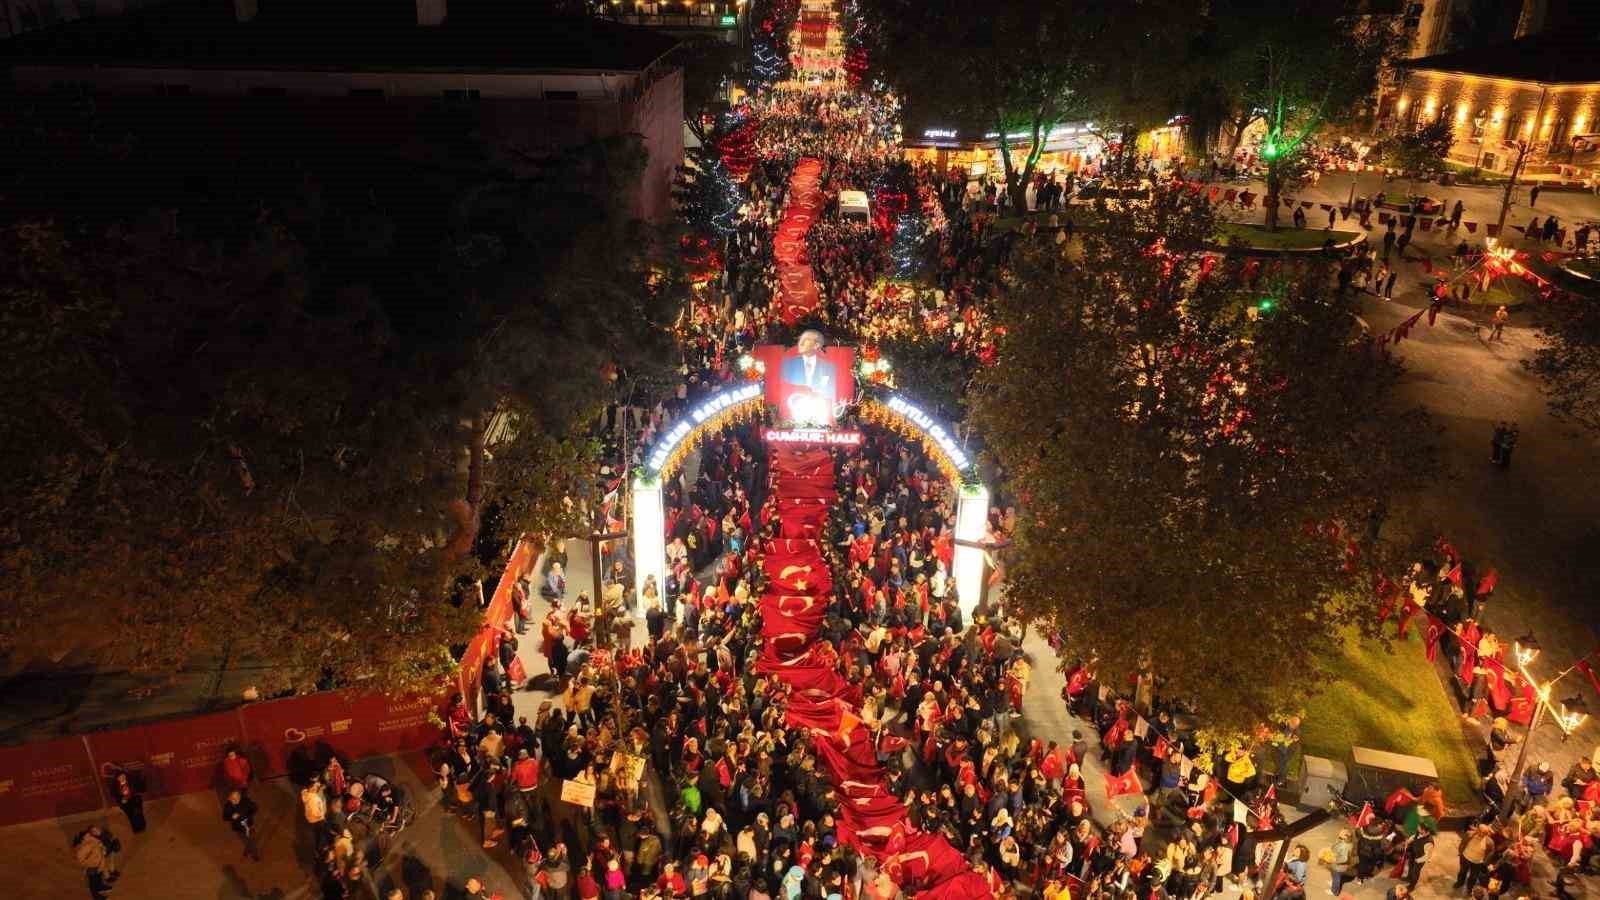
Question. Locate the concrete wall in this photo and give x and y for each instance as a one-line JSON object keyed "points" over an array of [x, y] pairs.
{"points": [[1489, 111]]}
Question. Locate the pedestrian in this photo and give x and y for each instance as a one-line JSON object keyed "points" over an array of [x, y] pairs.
{"points": [[1541, 777], [95, 849], [1403, 242], [314, 805], [1285, 738], [1343, 863], [1388, 284], [1501, 316], [1388, 241], [131, 801], [240, 812], [1496, 443], [1331, 212], [1476, 848], [1418, 852], [1455, 215], [235, 771], [1533, 197]]}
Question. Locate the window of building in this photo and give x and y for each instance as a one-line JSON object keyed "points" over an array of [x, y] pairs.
{"points": [[1479, 121], [1514, 126], [1559, 132]]}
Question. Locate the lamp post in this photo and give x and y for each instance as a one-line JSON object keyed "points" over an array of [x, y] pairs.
{"points": [[1573, 713]]}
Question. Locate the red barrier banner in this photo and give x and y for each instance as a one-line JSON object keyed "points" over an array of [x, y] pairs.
{"points": [[123, 750], [291, 734], [45, 780], [186, 755]]}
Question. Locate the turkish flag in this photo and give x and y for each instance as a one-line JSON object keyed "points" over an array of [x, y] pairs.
{"points": [[801, 487], [1126, 783], [1486, 585], [1363, 818], [792, 460], [1431, 636], [965, 886]]}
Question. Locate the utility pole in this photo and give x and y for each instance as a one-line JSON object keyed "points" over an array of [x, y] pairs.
{"points": [[1523, 148], [1515, 783]]}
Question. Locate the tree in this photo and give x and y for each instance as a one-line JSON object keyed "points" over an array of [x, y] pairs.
{"points": [[1013, 68], [1179, 477], [1568, 362], [1295, 67], [262, 421], [1419, 152]]}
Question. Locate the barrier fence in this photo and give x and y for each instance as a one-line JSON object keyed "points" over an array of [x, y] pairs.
{"points": [[73, 775]]}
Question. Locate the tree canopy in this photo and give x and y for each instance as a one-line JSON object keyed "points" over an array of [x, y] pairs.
{"points": [[1568, 360], [1294, 66], [1214, 427], [1014, 69], [258, 404]]}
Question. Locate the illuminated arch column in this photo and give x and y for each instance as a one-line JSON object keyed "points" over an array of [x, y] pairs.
{"points": [[972, 520], [649, 539]]}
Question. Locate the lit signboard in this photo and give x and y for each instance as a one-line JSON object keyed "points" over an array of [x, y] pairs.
{"points": [[729, 21], [697, 417], [939, 133], [935, 432], [812, 436]]}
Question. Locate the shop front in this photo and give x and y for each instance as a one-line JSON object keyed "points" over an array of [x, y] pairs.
{"points": [[1069, 148]]}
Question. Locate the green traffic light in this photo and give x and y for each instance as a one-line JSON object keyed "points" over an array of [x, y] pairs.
{"points": [[1264, 305], [1269, 150]]}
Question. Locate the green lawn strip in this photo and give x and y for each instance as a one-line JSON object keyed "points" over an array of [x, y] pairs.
{"points": [[1287, 237], [1391, 701]]}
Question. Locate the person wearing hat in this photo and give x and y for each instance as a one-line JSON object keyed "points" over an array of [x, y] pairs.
{"points": [[1538, 783]]}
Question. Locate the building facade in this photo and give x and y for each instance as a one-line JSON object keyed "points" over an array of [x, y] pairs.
{"points": [[538, 94], [1538, 97]]}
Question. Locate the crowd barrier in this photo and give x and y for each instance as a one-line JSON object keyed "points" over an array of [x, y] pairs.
{"points": [[73, 775]]}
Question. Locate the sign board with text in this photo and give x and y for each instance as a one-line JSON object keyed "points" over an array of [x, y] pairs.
{"points": [[578, 793]]}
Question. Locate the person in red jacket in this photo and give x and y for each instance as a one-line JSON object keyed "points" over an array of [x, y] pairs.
{"points": [[671, 881], [235, 771], [525, 773]]}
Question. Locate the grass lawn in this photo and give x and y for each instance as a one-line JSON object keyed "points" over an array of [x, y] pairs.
{"points": [[1506, 291], [1287, 237], [1394, 702]]}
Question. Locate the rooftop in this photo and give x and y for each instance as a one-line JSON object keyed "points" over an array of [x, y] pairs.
{"points": [[346, 35], [1564, 58]]}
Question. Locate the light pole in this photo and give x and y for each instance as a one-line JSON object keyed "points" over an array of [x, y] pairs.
{"points": [[1572, 713]]}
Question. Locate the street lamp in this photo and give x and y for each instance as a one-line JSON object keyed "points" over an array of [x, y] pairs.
{"points": [[1527, 650], [1573, 712]]}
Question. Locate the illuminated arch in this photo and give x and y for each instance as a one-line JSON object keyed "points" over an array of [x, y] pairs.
{"points": [[747, 401]]}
